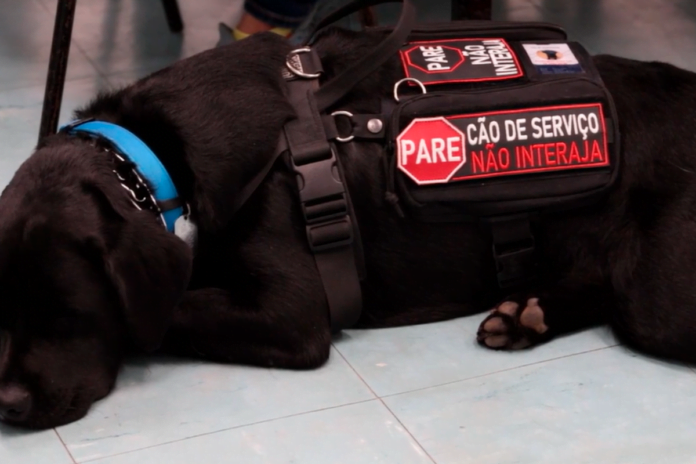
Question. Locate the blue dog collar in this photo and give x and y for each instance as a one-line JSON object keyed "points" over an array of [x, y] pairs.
{"points": [[146, 163]]}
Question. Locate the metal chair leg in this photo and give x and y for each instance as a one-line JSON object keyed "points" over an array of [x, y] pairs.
{"points": [[57, 67], [171, 9], [471, 9]]}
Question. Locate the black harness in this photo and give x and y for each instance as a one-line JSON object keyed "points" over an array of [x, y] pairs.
{"points": [[493, 122]]}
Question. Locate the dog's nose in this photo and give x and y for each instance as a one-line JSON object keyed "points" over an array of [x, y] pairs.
{"points": [[15, 402]]}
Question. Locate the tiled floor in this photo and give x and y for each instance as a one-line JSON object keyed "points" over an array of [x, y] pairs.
{"points": [[409, 395]]}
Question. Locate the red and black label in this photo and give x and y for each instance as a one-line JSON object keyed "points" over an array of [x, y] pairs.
{"points": [[460, 60], [503, 143]]}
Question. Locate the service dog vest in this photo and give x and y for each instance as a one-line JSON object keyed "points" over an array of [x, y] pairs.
{"points": [[494, 122], [513, 118]]}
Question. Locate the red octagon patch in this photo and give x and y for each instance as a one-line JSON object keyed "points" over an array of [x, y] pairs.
{"points": [[433, 59], [430, 150]]}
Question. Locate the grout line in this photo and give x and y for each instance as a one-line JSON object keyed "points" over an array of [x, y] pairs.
{"points": [[356, 372], [408, 431], [500, 371], [387, 407], [226, 429], [72, 458], [79, 48]]}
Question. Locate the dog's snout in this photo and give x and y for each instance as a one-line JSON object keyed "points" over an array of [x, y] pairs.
{"points": [[15, 402]]}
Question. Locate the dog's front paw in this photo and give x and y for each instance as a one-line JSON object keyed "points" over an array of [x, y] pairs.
{"points": [[513, 325]]}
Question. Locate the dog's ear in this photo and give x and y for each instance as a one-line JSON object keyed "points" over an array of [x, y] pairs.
{"points": [[148, 266], [150, 269]]}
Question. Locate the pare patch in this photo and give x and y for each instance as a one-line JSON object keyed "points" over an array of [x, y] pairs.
{"points": [[460, 60], [503, 143]]}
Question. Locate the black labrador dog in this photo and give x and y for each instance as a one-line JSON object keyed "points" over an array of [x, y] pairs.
{"points": [[86, 278]]}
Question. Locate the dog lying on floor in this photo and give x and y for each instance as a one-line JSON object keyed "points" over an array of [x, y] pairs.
{"points": [[86, 278]]}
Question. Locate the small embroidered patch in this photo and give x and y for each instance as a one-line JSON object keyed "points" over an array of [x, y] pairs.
{"points": [[460, 60], [554, 58]]}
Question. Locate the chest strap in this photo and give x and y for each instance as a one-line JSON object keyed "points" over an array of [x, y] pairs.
{"points": [[330, 223], [331, 226]]}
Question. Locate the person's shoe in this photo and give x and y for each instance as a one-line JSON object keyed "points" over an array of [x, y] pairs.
{"points": [[229, 35]]}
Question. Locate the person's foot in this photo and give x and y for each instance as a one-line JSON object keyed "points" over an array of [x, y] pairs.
{"points": [[247, 26]]}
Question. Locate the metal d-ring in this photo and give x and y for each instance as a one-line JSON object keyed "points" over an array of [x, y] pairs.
{"points": [[407, 79], [350, 116], [296, 71]]}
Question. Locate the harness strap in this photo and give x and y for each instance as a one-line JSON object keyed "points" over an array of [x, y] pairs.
{"points": [[248, 190], [331, 226], [359, 126], [513, 249], [172, 203], [326, 208]]}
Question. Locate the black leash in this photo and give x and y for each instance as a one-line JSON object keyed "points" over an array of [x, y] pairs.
{"points": [[335, 89]]}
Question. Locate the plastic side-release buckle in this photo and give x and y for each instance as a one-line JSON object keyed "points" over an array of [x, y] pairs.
{"points": [[324, 204]]}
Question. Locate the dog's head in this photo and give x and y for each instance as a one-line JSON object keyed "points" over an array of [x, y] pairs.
{"points": [[83, 275]]}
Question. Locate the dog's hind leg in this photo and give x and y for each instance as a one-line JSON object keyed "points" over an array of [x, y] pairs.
{"points": [[209, 324], [657, 310], [529, 319]]}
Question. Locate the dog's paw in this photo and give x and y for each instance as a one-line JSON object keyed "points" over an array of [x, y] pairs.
{"points": [[513, 326]]}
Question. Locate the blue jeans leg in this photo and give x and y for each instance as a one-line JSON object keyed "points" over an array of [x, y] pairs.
{"points": [[280, 13]]}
